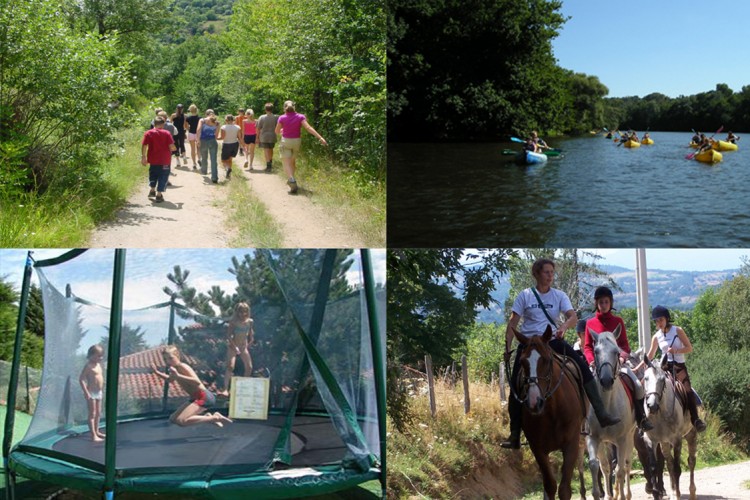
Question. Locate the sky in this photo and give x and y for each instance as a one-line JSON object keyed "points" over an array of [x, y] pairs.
{"points": [[145, 274], [92, 282], [665, 259], [674, 47]]}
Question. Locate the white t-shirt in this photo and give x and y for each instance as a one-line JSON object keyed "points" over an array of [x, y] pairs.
{"points": [[231, 133], [535, 322], [670, 339]]}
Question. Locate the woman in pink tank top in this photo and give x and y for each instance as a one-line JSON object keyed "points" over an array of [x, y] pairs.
{"points": [[290, 127]]}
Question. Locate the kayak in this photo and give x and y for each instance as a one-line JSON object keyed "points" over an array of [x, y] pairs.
{"points": [[724, 146], [530, 158], [709, 156], [632, 144], [648, 141], [694, 145]]}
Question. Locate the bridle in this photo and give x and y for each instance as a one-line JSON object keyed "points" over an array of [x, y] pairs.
{"points": [[527, 382]]}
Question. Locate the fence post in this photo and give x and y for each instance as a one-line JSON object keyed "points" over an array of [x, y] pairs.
{"points": [[28, 393], [502, 381], [430, 384], [465, 377]]}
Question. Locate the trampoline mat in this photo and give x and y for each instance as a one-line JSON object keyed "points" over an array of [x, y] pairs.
{"points": [[159, 443]]}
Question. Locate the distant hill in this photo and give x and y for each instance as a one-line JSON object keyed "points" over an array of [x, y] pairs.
{"points": [[674, 289]]}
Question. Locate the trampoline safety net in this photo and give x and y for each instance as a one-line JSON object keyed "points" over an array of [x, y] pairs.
{"points": [[314, 412]]}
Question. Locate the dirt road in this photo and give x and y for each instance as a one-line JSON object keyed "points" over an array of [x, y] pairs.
{"points": [[191, 214], [714, 483]]}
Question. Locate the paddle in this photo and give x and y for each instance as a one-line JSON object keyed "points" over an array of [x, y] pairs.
{"points": [[692, 155]]}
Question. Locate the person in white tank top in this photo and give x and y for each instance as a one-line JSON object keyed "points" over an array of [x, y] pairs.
{"points": [[674, 342]]}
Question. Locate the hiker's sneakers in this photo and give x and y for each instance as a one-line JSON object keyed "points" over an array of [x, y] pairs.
{"points": [[269, 166], [246, 162], [229, 173], [292, 185], [159, 198], [152, 193]]}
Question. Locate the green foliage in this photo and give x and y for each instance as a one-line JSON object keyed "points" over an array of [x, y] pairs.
{"points": [[32, 353], [328, 56], [484, 350], [57, 87], [720, 376], [732, 318], [447, 78], [702, 324]]}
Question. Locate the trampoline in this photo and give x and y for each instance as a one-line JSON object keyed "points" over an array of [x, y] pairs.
{"points": [[324, 428]]}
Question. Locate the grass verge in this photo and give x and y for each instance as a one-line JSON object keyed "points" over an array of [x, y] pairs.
{"points": [[65, 218], [249, 218], [361, 208], [458, 455]]}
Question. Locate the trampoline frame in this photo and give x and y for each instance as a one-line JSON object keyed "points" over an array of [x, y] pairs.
{"points": [[225, 482]]}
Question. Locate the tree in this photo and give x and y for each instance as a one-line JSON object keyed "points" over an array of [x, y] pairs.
{"points": [[447, 77], [132, 340], [333, 68], [51, 85], [32, 353], [732, 318]]}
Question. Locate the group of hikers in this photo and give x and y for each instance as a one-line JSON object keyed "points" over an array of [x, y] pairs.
{"points": [[541, 306], [239, 134]]}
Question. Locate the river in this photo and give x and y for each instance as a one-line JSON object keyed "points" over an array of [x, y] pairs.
{"points": [[596, 194]]}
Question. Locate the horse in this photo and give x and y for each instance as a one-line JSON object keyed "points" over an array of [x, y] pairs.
{"points": [[553, 410], [617, 404], [671, 420]]}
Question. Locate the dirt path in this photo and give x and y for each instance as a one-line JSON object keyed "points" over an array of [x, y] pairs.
{"points": [[191, 214], [714, 483]]}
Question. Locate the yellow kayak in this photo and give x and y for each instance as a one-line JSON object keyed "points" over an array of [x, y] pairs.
{"points": [[695, 145], [709, 156], [632, 144], [724, 146], [647, 141]]}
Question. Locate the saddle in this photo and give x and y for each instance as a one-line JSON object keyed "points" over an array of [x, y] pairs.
{"points": [[679, 390], [627, 383], [573, 372]]}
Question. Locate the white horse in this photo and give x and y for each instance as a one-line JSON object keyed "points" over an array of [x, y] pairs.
{"points": [[671, 422], [617, 404]]}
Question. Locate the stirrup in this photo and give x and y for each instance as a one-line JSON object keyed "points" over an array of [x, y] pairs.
{"points": [[513, 442]]}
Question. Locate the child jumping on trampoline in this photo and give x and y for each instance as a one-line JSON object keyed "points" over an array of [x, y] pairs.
{"points": [[190, 412], [92, 383], [239, 337]]}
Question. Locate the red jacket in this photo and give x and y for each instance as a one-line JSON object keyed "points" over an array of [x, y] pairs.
{"points": [[606, 322]]}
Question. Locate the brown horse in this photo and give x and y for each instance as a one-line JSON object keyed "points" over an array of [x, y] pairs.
{"points": [[552, 410]]}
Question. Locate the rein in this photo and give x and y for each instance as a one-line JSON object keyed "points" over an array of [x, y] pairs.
{"points": [[528, 381]]}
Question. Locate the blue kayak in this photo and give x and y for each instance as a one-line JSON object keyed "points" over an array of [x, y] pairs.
{"points": [[530, 158]]}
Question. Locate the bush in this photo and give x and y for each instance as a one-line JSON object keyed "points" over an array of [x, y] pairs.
{"points": [[721, 378]]}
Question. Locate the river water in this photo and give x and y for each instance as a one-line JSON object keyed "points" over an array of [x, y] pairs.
{"points": [[596, 194]]}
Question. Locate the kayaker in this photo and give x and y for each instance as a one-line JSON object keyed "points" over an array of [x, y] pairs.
{"points": [[646, 136], [531, 145], [538, 141], [705, 143], [634, 136], [732, 138]]}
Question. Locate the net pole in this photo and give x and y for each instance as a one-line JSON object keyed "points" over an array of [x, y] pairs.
{"points": [[113, 371], [377, 355], [170, 341], [10, 414]]}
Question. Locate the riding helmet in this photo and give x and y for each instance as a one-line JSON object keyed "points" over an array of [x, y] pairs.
{"points": [[603, 291], [661, 312]]}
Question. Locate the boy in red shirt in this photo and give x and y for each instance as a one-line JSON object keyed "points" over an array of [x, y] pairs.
{"points": [[156, 151]]}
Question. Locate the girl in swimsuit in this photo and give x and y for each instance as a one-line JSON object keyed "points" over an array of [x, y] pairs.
{"points": [[190, 412], [239, 337]]}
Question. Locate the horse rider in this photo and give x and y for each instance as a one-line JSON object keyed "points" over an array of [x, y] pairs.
{"points": [[538, 306]]}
